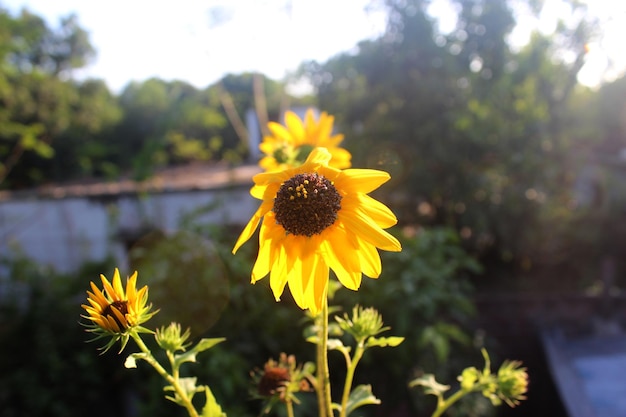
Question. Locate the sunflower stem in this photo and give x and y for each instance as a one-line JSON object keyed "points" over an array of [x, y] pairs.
{"points": [[328, 406], [351, 364], [169, 378], [289, 406], [319, 389], [443, 405]]}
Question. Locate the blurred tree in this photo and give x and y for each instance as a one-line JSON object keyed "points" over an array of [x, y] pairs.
{"points": [[85, 147], [471, 130], [39, 103], [248, 91], [171, 123], [36, 47]]}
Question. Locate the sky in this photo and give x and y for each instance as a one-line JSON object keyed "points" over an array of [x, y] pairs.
{"points": [[200, 41]]}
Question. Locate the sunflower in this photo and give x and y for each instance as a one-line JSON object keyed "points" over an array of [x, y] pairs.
{"points": [[315, 218], [114, 312], [288, 146]]}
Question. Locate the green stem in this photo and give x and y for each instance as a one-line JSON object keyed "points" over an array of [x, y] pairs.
{"points": [[325, 371], [289, 406], [350, 369], [319, 372], [444, 405], [169, 378]]}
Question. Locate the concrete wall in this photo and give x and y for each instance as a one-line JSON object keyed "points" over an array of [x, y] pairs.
{"points": [[65, 232]]}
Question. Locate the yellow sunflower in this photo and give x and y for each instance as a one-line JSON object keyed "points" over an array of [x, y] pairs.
{"points": [[114, 311], [315, 218], [288, 146]]}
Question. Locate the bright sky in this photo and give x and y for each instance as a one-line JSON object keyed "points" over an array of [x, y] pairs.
{"points": [[200, 41], [182, 39]]}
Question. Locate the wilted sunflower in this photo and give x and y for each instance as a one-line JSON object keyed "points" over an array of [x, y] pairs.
{"points": [[280, 381], [288, 146], [313, 218], [114, 312]]}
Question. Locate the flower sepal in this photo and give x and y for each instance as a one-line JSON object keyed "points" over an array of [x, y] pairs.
{"points": [[113, 338]]}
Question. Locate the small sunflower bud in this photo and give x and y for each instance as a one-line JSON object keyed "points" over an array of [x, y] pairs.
{"points": [[512, 383], [365, 322], [170, 338]]}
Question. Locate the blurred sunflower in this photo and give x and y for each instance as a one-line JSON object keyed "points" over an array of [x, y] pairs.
{"points": [[288, 146], [115, 312], [280, 381], [315, 218]]}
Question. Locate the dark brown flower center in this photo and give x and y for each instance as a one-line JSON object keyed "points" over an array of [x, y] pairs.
{"points": [[122, 307], [306, 204], [273, 380]]}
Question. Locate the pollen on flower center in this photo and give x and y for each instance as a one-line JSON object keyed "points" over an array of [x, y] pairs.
{"points": [[122, 307], [306, 204]]}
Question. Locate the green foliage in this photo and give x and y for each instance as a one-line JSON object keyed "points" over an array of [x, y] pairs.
{"points": [[508, 385], [424, 294], [472, 131], [46, 368], [50, 127]]}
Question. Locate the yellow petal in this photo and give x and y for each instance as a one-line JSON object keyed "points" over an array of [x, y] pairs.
{"points": [[268, 241], [369, 259], [278, 274], [97, 295], [95, 305], [342, 257], [110, 291], [361, 180], [302, 280], [357, 223], [317, 292], [295, 127], [325, 126], [340, 158], [279, 131], [318, 156], [131, 289], [258, 191], [117, 284], [111, 324], [250, 228], [377, 211]]}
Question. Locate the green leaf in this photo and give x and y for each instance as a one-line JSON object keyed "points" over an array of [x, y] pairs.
{"points": [[205, 344], [131, 360], [337, 344], [187, 385], [384, 341], [360, 396], [211, 407], [431, 386], [202, 345]]}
